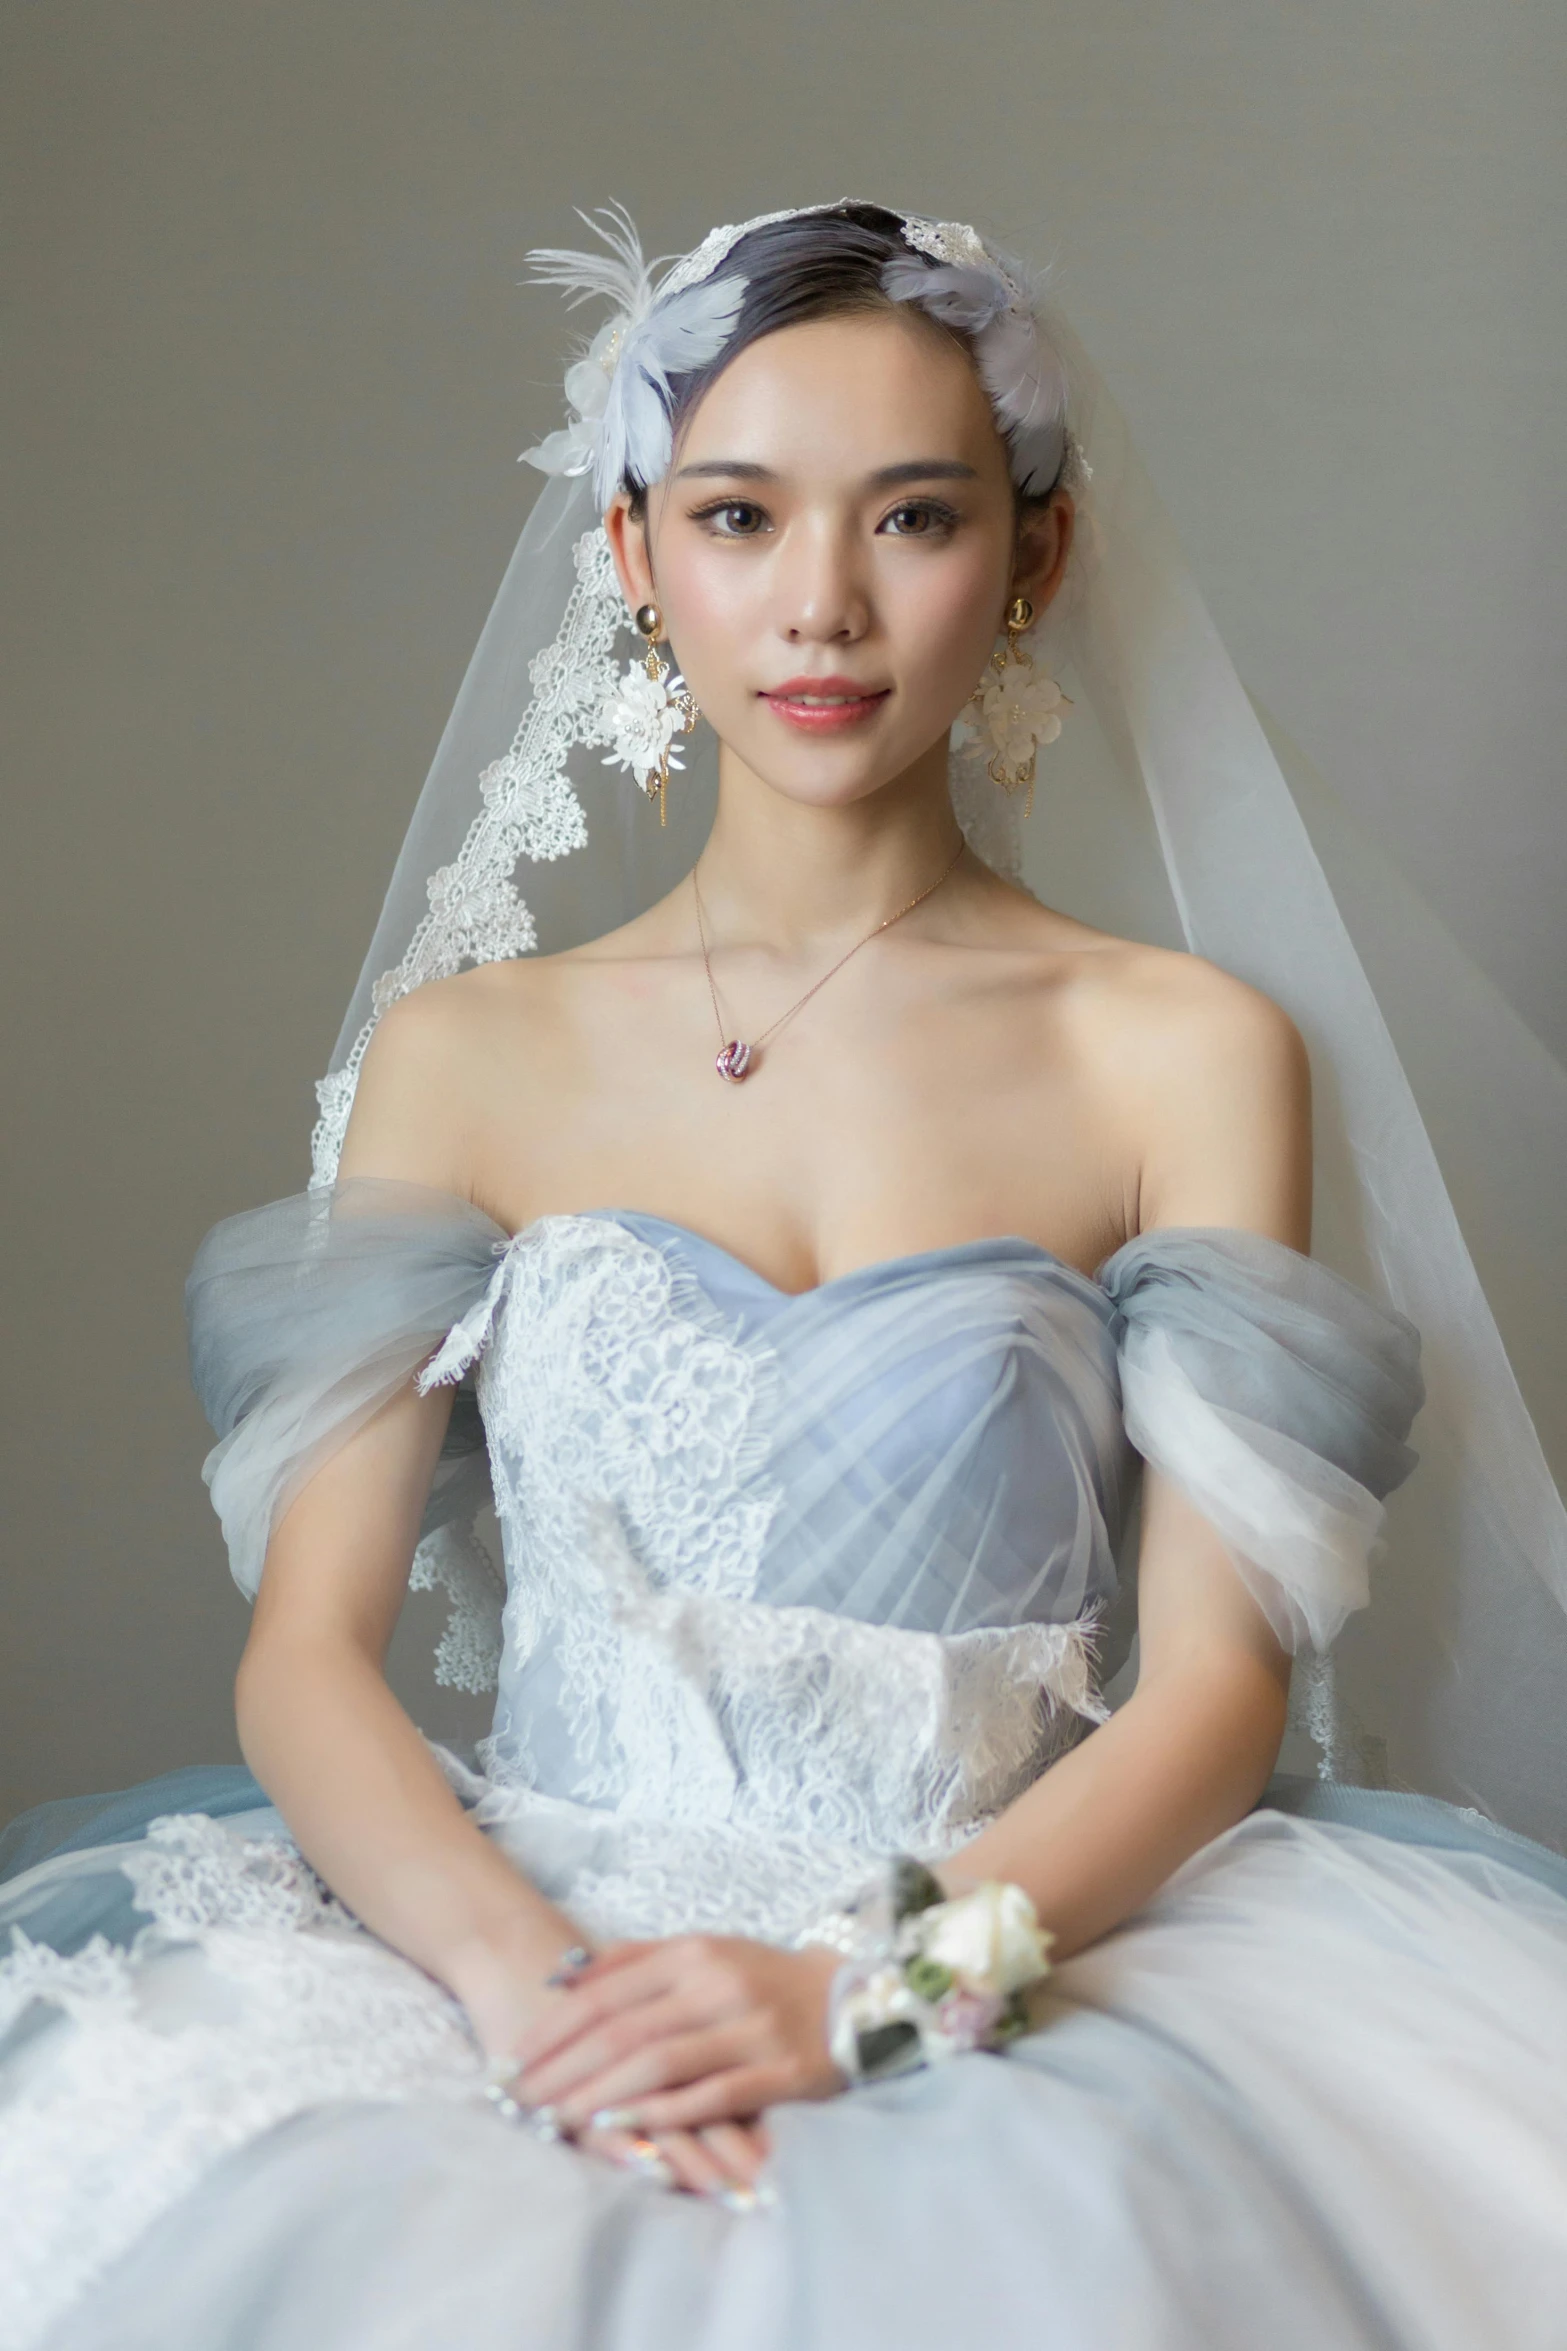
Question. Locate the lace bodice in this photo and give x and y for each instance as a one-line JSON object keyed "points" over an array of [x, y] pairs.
{"points": [[795, 1582], [823, 1566]]}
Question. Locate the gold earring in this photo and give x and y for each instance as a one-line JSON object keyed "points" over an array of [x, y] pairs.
{"points": [[647, 709], [1016, 707]]}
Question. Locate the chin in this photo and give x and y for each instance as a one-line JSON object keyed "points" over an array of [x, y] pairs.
{"points": [[820, 778]]}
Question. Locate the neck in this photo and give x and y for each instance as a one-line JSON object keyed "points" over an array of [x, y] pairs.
{"points": [[796, 877]]}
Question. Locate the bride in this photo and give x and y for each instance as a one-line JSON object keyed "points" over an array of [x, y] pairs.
{"points": [[837, 1268]]}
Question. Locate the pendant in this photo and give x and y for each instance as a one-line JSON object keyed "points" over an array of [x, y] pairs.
{"points": [[733, 1062]]}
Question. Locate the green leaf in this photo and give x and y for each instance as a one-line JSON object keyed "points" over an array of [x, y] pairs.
{"points": [[927, 1977]]}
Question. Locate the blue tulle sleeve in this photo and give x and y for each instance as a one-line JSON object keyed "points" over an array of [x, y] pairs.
{"points": [[305, 1317], [1279, 1397]]}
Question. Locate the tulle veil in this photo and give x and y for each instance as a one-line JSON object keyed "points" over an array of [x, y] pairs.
{"points": [[1163, 813]]}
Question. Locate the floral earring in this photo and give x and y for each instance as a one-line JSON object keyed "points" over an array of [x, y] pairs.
{"points": [[648, 708], [1016, 708]]}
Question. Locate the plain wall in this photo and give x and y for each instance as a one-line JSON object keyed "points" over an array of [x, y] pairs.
{"points": [[267, 370]]}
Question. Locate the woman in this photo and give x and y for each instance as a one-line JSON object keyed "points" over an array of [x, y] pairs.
{"points": [[813, 1242]]}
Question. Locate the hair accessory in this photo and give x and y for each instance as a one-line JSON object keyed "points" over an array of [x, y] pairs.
{"points": [[734, 1058], [928, 1975], [1015, 707], [619, 388], [648, 708], [992, 301]]}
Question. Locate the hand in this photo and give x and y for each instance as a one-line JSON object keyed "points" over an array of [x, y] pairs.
{"points": [[506, 1991], [682, 2034]]}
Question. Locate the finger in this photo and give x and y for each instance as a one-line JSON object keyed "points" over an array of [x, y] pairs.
{"points": [[735, 2146], [718, 2164], [669, 2159], [612, 2043], [695, 2166], [619, 2095], [634, 2151], [738, 2095]]}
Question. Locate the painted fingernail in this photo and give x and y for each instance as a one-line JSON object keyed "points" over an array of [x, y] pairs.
{"points": [[569, 1966], [613, 2118], [544, 2122], [496, 2081], [645, 2160], [767, 2195], [737, 2199]]}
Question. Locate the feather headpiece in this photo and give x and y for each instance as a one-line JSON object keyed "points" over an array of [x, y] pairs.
{"points": [[620, 387]]}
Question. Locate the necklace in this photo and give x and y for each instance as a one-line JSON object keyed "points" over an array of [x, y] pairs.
{"points": [[736, 1059]]}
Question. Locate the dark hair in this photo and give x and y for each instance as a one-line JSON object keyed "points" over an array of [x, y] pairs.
{"points": [[813, 265]]}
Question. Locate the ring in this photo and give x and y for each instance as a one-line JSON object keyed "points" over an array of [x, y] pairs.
{"points": [[568, 1967]]}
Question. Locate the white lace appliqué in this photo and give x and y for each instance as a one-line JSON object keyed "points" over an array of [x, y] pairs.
{"points": [[725, 1757], [250, 1997], [620, 1412], [841, 1743]]}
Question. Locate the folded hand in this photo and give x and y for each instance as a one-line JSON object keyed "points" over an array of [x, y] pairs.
{"points": [[680, 2034]]}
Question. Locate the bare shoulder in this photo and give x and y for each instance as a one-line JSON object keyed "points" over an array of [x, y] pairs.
{"points": [[1211, 1081], [431, 1064], [1182, 1016]]}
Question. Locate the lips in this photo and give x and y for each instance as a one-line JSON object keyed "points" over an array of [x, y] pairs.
{"points": [[825, 705]]}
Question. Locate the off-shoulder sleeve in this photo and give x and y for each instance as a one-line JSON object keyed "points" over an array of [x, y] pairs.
{"points": [[305, 1316], [1279, 1397]]}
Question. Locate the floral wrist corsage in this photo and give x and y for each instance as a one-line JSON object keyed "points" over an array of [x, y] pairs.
{"points": [[927, 1975]]}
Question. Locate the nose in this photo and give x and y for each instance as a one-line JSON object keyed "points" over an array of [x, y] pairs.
{"points": [[823, 597]]}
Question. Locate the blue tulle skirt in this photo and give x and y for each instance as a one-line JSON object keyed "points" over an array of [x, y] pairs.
{"points": [[1310, 2097]]}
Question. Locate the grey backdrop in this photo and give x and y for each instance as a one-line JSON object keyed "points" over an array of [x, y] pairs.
{"points": [[267, 371]]}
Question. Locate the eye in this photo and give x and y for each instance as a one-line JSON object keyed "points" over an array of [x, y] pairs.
{"points": [[920, 518], [735, 518]]}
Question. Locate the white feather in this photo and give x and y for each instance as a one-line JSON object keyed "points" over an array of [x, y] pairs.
{"points": [[671, 339], [657, 340], [1019, 369], [620, 277]]}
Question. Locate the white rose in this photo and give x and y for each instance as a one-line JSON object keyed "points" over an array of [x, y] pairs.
{"points": [[991, 1939]]}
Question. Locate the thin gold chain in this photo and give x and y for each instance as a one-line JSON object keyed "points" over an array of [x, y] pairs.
{"points": [[774, 1026]]}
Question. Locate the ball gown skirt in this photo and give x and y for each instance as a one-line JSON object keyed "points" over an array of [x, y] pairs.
{"points": [[791, 1583]]}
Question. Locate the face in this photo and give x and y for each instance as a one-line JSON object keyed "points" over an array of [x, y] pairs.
{"points": [[833, 549]]}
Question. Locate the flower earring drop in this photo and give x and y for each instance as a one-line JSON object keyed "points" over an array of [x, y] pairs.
{"points": [[1016, 707], [648, 708]]}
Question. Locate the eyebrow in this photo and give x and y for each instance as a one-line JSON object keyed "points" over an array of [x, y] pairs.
{"points": [[886, 477]]}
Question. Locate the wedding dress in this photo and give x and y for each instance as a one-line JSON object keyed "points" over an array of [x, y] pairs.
{"points": [[790, 1583], [794, 1582]]}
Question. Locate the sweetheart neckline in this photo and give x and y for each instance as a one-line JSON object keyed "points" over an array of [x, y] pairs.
{"points": [[879, 1266]]}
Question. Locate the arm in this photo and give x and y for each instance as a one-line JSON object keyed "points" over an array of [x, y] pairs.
{"points": [[1223, 1088], [352, 1776], [1184, 1758]]}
